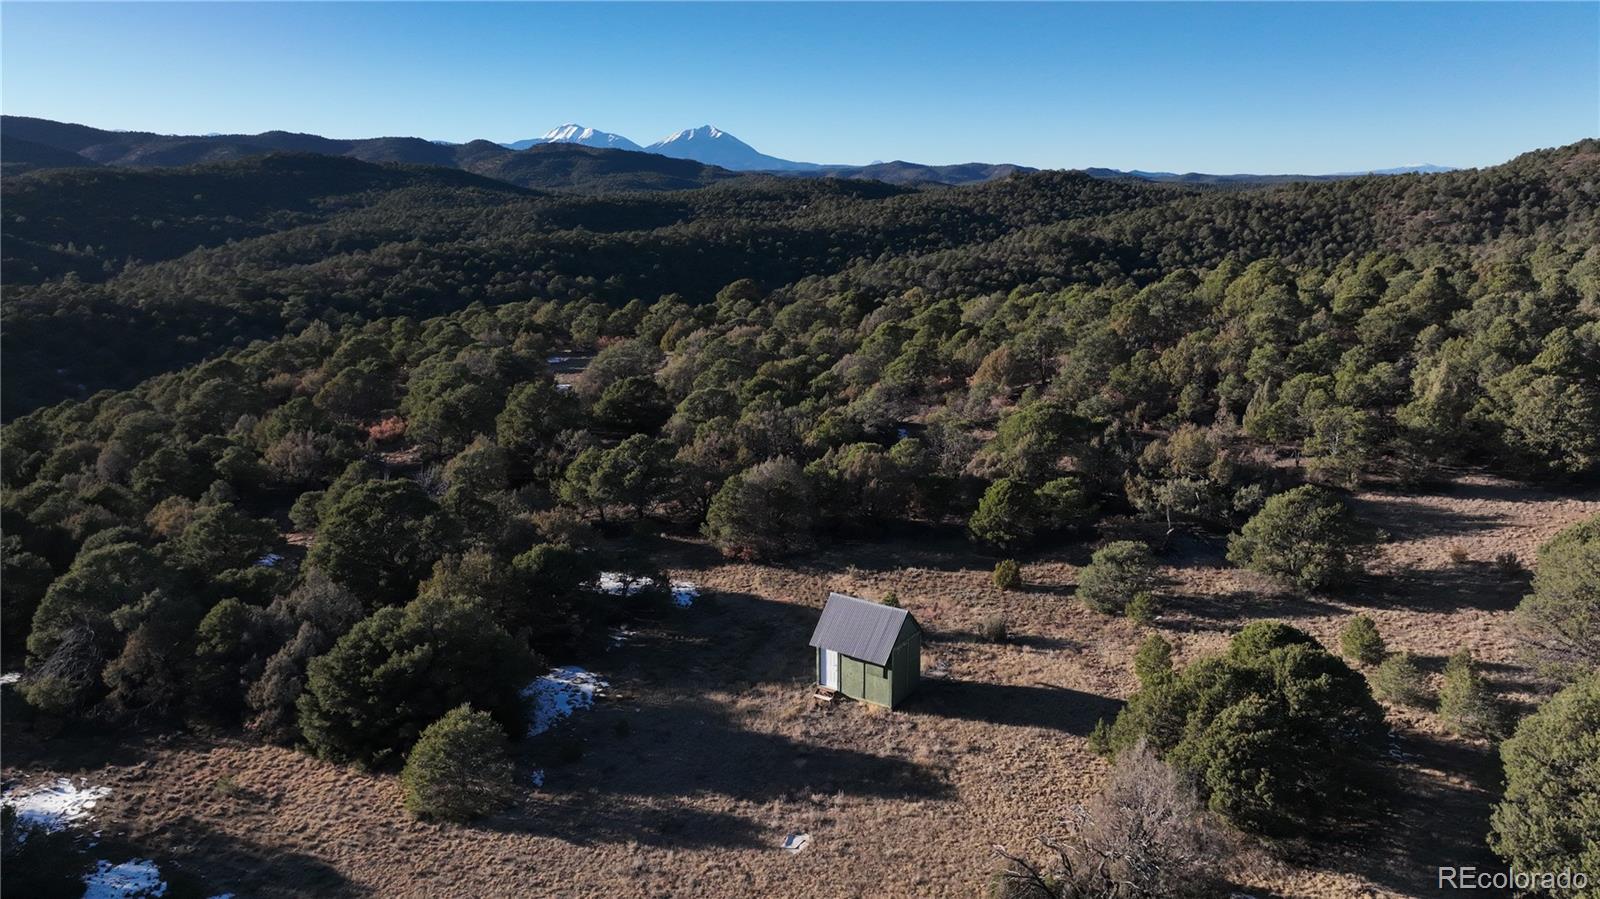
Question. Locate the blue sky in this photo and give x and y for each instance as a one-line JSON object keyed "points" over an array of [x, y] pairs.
{"points": [[1189, 87]]}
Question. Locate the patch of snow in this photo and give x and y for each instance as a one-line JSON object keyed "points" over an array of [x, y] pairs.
{"points": [[563, 387], [54, 806], [795, 842], [270, 560], [10, 677], [557, 360], [621, 636], [902, 433], [537, 777], [135, 879], [616, 583], [560, 693], [684, 593]]}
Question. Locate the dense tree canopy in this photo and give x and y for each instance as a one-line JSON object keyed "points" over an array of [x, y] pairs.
{"points": [[448, 388]]}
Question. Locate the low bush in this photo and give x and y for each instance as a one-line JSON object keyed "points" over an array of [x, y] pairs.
{"points": [[1143, 608], [459, 768], [1466, 703], [992, 628], [1361, 642], [1116, 573], [1153, 661], [1400, 681], [1007, 574]]}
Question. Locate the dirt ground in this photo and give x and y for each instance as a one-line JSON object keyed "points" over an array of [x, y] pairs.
{"points": [[708, 748]]}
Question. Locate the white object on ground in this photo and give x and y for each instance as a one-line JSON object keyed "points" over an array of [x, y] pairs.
{"points": [[135, 879], [622, 635], [557, 360], [270, 560], [560, 693], [10, 677], [795, 842], [55, 805], [537, 777]]}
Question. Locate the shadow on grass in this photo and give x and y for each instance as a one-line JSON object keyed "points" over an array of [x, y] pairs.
{"points": [[1437, 814], [1225, 612], [1422, 520], [1042, 705], [587, 820], [194, 852], [1466, 586]]}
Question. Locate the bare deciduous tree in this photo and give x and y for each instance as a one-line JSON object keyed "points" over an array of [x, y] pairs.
{"points": [[1146, 834]]}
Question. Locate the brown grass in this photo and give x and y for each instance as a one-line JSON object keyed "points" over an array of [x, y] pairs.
{"points": [[724, 751]]}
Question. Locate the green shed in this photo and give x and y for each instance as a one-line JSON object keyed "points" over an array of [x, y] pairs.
{"points": [[867, 650]]}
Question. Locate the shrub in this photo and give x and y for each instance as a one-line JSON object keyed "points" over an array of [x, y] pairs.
{"points": [[762, 513], [1459, 555], [1116, 572], [891, 599], [1559, 621], [1143, 608], [459, 768], [1007, 574], [1307, 537], [1550, 814], [1006, 515], [1153, 661], [1063, 504], [1466, 703], [1398, 680], [1508, 563], [1145, 833], [1361, 642], [1277, 732], [992, 627]]}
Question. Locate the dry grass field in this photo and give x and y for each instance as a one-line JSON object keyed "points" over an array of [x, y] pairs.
{"points": [[708, 749]]}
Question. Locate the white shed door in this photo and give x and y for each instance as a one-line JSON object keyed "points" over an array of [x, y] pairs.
{"points": [[830, 669]]}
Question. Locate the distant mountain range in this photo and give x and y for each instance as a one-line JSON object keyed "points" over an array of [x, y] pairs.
{"points": [[1203, 178], [567, 157], [707, 144]]}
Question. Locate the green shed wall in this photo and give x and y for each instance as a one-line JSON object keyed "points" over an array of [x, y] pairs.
{"points": [[852, 677], [878, 688], [907, 666], [886, 685]]}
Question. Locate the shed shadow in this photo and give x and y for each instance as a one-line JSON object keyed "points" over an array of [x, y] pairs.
{"points": [[1041, 705]]}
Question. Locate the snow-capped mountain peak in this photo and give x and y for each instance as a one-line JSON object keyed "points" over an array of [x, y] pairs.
{"points": [[573, 133], [713, 146], [704, 132], [569, 132]]}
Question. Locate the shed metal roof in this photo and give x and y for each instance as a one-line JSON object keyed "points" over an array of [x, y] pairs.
{"points": [[858, 628]]}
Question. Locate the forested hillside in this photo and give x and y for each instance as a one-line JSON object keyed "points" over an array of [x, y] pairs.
{"points": [[208, 369], [181, 263]]}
